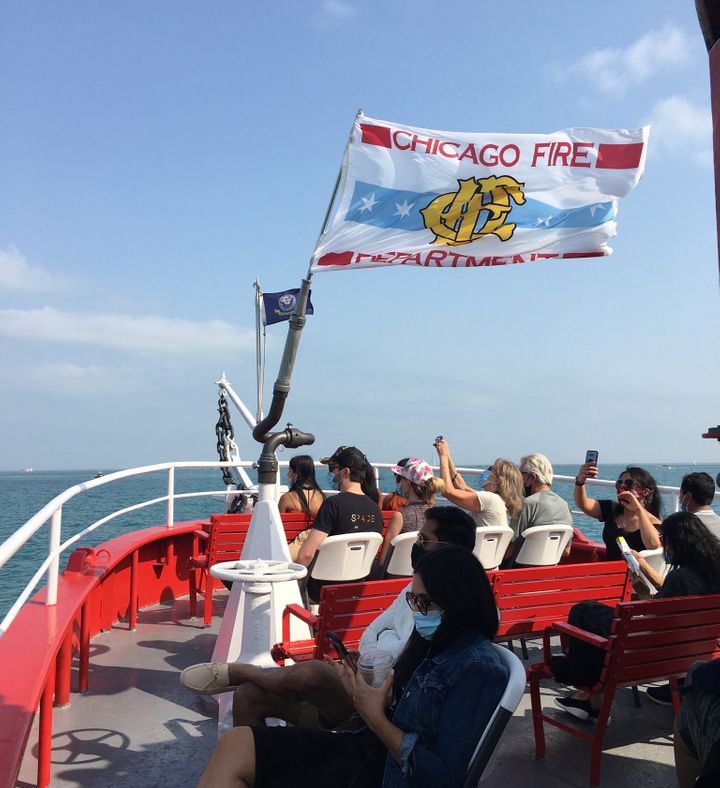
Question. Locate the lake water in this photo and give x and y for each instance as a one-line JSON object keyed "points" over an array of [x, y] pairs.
{"points": [[22, 494]]}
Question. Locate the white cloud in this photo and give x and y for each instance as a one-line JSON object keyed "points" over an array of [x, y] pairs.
{"points": [[678, 125], [17, 274], [62, 377], [336, 10], [613, 69], [144, 335]]}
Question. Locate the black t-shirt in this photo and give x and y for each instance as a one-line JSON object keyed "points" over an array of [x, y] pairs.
{"points": [[611, 530], [348, 513], [344, 513], [683, 581]]}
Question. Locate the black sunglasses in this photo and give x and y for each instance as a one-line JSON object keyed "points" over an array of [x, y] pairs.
{"points": [[419, 604], [626, 484]]}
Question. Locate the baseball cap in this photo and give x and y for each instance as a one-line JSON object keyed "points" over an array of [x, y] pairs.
{"points": [[346, 457], [415, 470]]}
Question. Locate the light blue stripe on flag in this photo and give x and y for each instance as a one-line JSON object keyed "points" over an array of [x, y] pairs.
{"points": [[400, 209]]}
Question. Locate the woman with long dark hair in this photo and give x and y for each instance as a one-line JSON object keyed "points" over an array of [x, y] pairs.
{"points": [[634, 514], [304, 494], [694, 557], [421, 726]]}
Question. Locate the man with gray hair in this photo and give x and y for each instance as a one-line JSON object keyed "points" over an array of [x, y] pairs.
{"points": [[541, 505]]}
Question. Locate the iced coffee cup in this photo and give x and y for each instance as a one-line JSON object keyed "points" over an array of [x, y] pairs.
{"points": [[374, 667]]}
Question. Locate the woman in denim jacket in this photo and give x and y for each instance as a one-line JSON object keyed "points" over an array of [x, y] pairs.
{"points": [[421, 726]]}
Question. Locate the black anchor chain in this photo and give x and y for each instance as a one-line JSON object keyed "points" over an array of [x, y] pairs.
{"points": [[225, 436]]}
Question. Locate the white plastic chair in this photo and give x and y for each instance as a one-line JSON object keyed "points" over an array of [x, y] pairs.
{"points": [[543, 545], [491, 543], [480, 765], [398, 562], [656, 559], [345, 556]]}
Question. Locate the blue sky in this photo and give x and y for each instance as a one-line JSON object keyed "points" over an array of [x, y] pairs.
{"points": [[157, 157]]}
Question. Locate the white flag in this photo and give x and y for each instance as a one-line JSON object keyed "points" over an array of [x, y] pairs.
{"points": [[411, 196]]}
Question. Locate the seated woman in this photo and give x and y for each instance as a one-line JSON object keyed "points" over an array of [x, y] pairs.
{"points": [[304, 495], [635, 514], [421, 726], [394, 500], [501, 495], [694, 555], [419, 487]]}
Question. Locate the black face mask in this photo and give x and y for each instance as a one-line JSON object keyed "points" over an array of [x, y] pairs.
{"points": [[416, 555], [527, 489]]}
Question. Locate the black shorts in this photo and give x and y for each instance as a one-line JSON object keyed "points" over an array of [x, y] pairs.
{"points": [[302, 758]]}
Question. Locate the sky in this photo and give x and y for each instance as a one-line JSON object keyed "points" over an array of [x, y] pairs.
{"points": [[158, 157]]}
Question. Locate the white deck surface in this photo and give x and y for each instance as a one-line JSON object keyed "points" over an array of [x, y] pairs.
{"points": [[137, 726]]}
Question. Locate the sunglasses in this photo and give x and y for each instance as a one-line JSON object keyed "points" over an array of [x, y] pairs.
{"points": [[424, 542], [626, 484], [420, 603]]}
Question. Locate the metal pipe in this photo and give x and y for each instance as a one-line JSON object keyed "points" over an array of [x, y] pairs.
{"points": [[53, 569], [171, 498]]}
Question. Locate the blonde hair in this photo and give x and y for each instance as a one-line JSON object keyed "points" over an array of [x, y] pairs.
{"points": [[432, 487], [510, 485]]}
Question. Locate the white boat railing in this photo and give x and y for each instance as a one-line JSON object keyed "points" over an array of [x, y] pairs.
{"points": [[52, 513]]}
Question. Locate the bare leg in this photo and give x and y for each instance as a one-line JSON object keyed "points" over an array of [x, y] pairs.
{"points": [[279, 692], [232, 764]]}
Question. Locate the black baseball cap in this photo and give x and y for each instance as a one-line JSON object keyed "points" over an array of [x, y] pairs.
{"points": [[346, 457]]}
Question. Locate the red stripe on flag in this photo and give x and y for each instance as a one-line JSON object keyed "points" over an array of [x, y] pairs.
{"points": [[376, 135], [336, 258], [619, 157], [573, 255]]}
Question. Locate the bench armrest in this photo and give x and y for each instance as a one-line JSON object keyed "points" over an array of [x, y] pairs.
{"points": [[204, 535], [564, 629], [299, 612]]}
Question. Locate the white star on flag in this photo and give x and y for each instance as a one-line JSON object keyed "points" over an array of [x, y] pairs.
{"points": [[403, 209], [593, 208], [368, 203], [545, 221]]}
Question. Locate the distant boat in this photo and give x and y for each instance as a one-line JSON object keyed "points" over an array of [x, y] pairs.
{"points": [[27, 470], [98, 474]]}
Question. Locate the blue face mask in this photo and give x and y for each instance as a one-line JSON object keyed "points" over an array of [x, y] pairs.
{"points": [[484, 477], [426, 624], [332, 481], [398, 490], [666, 557]]}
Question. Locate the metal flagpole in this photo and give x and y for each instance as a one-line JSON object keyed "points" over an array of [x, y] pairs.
{"points": [[267, 466], [259, 347]]}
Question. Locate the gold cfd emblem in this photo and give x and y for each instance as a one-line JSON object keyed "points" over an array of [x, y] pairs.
{"points": [[455, 218]]}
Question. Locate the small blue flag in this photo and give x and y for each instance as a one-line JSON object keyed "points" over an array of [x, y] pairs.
{"points": [[279, 306]]}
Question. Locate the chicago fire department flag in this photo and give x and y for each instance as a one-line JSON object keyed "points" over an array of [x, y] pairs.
{"points": [[411, 196]]}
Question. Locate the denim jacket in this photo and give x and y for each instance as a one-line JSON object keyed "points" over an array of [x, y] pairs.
{"points": [[445, 706]]}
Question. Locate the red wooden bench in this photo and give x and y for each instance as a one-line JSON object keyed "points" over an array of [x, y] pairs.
{"points": [[224, 540], [345, 609], [532, 599], [650, 640]]}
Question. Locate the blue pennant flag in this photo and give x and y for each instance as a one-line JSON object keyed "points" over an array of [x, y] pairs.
{"points": [[279, 306]]}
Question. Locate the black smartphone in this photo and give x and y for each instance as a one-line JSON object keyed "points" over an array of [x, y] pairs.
{"points": [[591, 456], [343, 653]]}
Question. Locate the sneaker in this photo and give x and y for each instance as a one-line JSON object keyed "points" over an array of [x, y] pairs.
{"points": [[577, 707], [207, 678], [661, 695]]}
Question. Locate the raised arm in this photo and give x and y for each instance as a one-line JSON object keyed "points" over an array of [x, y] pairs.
{"points": [[583, 501], [464, 496]]}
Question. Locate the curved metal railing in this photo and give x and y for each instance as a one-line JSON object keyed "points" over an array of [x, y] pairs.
{"points": [[52, 513]]}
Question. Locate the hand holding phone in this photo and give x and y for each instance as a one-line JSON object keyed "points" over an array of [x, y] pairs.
{"points": [[342, 651]]}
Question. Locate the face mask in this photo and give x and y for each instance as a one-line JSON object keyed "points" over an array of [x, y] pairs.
{"points": [[527, 489], [427, 624], [332, 481], [666, 557], [484, 477], [416, 555], [398, 490]]}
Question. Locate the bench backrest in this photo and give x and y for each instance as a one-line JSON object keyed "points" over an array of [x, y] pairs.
{"points": [[655, 639], [348, 608], [531, 599]]}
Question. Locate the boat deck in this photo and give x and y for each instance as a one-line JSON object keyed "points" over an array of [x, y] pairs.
{"points": [[137, 726]]}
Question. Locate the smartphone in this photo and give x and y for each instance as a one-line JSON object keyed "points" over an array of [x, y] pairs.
{"points": [[630, 559], [343, 653], [591, 456], [438, 439]]}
